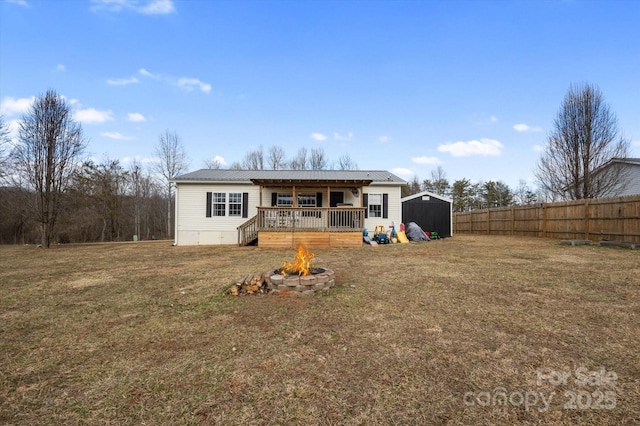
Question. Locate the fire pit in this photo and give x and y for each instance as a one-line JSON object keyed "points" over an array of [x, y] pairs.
{"points": [[297, 277], [318, 279]]}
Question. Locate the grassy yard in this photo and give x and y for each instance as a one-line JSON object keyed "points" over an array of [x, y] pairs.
{"points": [[467, 330]]}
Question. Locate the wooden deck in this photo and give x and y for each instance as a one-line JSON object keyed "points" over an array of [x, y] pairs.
{"points": [[315, 227]]}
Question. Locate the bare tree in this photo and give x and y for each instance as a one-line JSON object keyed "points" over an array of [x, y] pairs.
{"points": [[213, 163], [346, 163], [171, 161], [585, 138], [438, 184], [47, 153], [276, 159], [318, 160], [135, 184], [299, 162], [254, 159], [4, 149], [523, 194], [412, 187]]}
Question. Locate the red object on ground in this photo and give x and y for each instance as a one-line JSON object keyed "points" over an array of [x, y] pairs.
{"points": [[402, 227]]}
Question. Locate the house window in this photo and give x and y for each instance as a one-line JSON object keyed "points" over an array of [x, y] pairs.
{"points": [[284, 200], [375, 205], [235, 204], [219, 203], [306, 200]]}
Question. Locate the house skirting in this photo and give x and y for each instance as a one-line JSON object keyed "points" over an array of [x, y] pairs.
{"points": [[309, 239]]}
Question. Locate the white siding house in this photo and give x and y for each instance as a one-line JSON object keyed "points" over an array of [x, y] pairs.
{"points": [[321, 207], [630, 183]]}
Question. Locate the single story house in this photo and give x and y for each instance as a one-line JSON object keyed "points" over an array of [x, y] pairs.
{"points": [[432, 212], [283, 208]]}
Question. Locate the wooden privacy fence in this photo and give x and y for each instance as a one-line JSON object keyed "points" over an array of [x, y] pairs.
{"points": [[595, 219]]}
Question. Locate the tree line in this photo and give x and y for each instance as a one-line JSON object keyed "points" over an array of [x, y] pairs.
{"points": [[50, 193], [467, 195]]}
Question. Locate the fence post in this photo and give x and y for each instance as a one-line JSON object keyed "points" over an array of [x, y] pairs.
{"points": [[513, 220], [488, 221], [587, 220]]}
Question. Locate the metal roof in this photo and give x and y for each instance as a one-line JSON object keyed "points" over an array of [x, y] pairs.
{"points": [[245, 176]]}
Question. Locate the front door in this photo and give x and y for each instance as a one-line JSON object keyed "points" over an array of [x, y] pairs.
{"points": [[336, 198]]}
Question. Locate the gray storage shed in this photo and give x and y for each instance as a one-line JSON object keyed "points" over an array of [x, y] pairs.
{"points": [[431, 211]]}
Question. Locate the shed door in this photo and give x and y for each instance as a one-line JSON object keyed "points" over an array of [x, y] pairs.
{"points": [[430, 216]]}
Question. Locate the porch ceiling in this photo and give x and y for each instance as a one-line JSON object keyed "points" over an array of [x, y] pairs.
{"points": [[311, 183]]}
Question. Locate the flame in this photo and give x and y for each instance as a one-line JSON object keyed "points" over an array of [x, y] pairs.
{"points": [[300, 265]]}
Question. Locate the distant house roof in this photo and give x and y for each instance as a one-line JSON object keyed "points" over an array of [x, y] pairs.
{"points": [[363, 177], [635, 161]]}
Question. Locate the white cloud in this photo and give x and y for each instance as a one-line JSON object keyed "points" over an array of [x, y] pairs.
{"points": [[147, 7], [339, 137], [13, 106], [219, 160], [92, 115], [189, 84], [521, 127], [136, 117], [61, 68], [146, 73], [493, 119], [19, 2], [401, 171], [13, 127], [157, 7], [483, 147], [538, 148], [71, 101], [426, 160], [383, 139], [186, 83], [122, 81], [116, 135], [318, 136]]}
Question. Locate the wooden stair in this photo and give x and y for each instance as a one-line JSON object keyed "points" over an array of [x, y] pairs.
{"points": [[248, 232]]}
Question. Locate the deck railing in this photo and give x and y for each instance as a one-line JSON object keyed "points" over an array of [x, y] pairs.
{"points": [[248, 231], [310, 219]]}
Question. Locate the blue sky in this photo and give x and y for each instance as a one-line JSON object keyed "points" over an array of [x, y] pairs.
{"points": [[406, 86]]}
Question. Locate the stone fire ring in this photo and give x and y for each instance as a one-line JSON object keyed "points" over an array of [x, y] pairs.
{"points": [[322, 279]]}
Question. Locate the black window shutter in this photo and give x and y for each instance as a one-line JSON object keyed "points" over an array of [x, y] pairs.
{"points": [[245, 204], [319, 199], [209, 203], [274, 199], [385, 206], [365, 204]]}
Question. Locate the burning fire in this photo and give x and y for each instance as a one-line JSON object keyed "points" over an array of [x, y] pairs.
{"points": [[300, 265]]}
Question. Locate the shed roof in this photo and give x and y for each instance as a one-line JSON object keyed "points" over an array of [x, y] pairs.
{"points": [[350, 177], [426, 193]]}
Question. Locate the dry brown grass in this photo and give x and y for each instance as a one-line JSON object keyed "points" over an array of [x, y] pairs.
{"points": [[142, 333]]}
